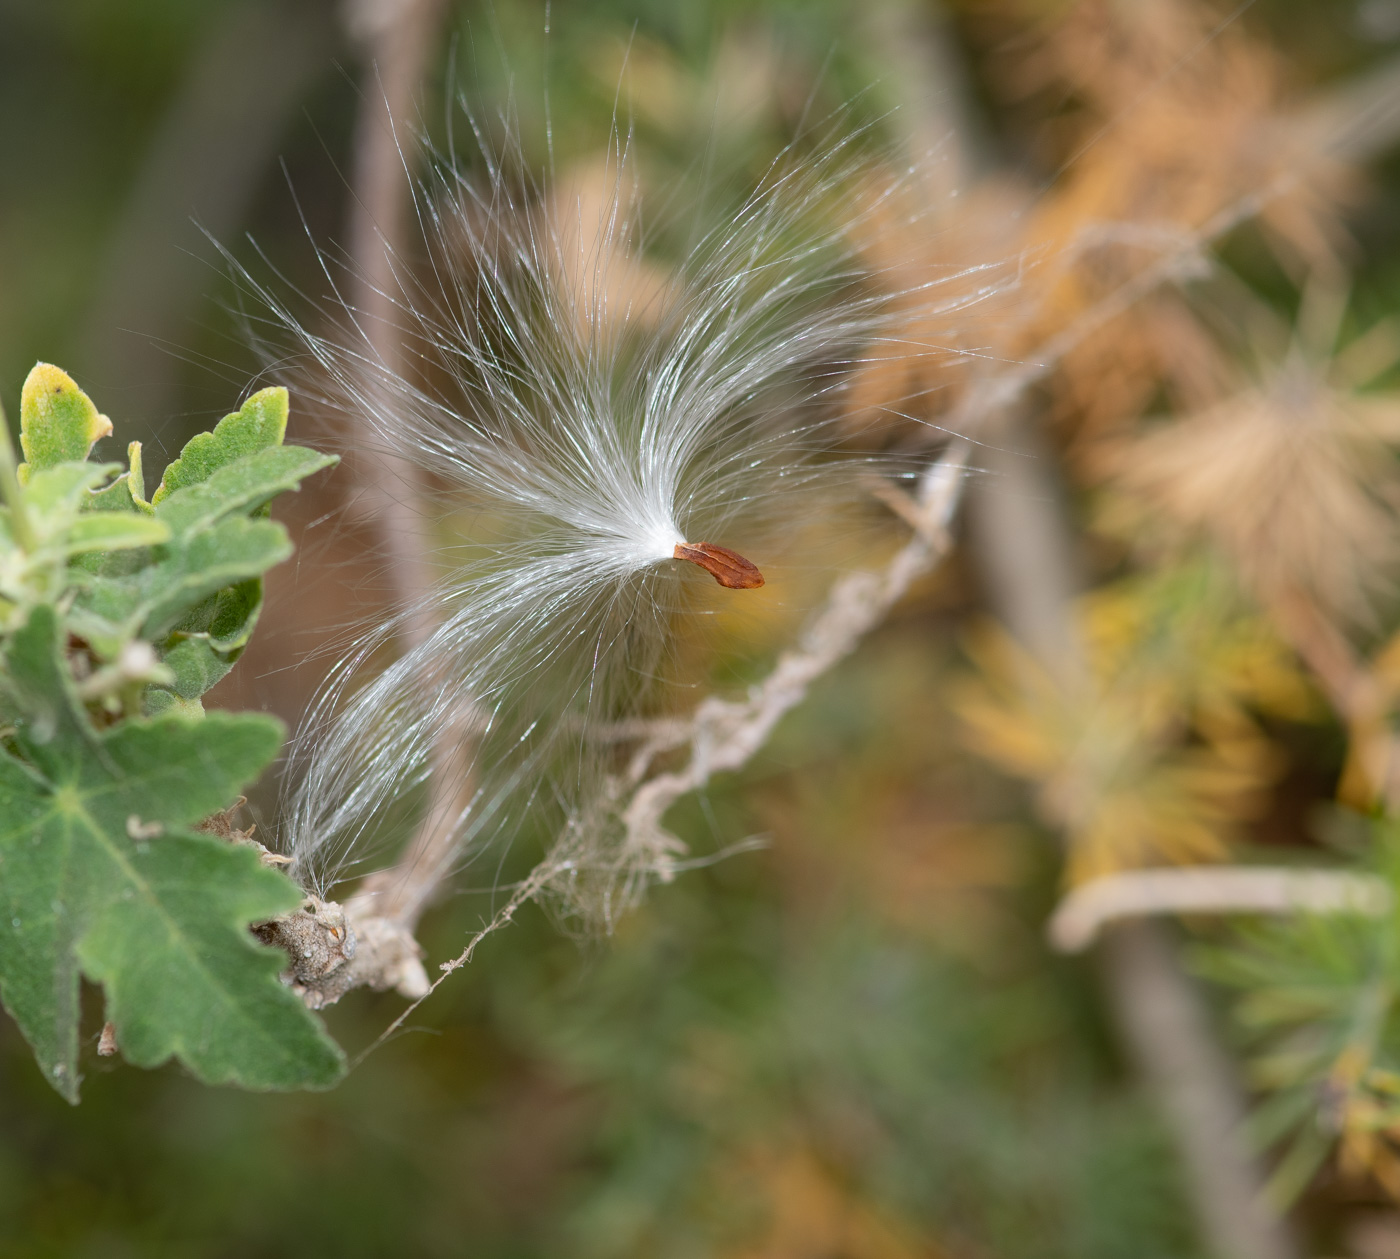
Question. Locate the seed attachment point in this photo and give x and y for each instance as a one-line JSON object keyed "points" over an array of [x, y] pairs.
{"points": [[727, 567]]}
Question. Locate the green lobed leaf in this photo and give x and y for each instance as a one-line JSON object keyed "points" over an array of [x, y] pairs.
{"points": [[112, 531], [232, 616], [199, 565], [57, 421], [65, 542], [207, 642], [154, 600], [158, 701], [197, 666], [127, 492], [131, 581], [184, 978], [259, 423], [214, 547], [96, 870], [240, 486], [60, 487]]}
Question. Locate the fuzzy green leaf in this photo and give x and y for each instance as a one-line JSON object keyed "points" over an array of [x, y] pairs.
{"points": [[260, 422], [116, 497], [57, 421], [203, 563], [240, 486], [96, 870], [229, 619], [61, 487], [65, 544], [214, 546], [207, 643], [213, 554], [196, 664], [159, 700], [113, 531], [189, 570], [127, 492]]}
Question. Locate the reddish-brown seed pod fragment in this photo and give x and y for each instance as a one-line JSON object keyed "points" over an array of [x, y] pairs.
{"points": [[727, 567]]}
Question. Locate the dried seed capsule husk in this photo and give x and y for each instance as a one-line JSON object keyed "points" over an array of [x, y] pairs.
{"points": [[727, 567]]}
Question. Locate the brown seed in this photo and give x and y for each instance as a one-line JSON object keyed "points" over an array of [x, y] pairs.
{"points": [[727, 567]]}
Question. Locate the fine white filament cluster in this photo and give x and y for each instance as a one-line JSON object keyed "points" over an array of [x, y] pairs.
{"points": [[577, 409]]}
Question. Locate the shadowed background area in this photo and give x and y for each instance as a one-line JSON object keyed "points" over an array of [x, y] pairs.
{"points": [[853, 1041]]}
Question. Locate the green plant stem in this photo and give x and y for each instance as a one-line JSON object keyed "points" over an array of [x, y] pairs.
{"points": [[11, 491]]}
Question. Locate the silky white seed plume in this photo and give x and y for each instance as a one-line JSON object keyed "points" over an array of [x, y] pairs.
{"points": [[587, 411]]}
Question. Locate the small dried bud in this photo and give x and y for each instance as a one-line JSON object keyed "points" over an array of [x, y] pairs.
{"points": [[317, 939], [727, 567]]}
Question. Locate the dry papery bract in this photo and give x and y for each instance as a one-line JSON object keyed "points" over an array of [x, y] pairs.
{"points": [[1173, 118], [1293, 477], [1175, 111], [1180, 115]]}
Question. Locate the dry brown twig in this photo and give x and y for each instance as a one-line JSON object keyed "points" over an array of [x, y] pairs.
{"points": [[380, 950], [725, 734]]}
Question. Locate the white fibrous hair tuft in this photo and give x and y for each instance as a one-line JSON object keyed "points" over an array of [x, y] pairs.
{"points": [[578, 409]]}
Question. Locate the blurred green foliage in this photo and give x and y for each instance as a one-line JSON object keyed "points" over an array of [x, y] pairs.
{"points": [[852, 1044], [651, 1095]]}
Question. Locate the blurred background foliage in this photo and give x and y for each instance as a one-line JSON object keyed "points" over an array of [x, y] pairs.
{"points": [[853, 1042]]}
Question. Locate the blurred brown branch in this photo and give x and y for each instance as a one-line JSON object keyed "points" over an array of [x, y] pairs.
{"points": [[399, 38], [723, 735], [1086, 909]]}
